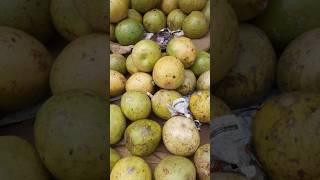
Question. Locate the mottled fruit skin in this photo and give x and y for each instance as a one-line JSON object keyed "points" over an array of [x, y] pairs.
{"points": [[175, 19], [219, 108], [118, 10], [140, 81], [180, 136], [175, 168], [154, 20], [142, 137], [227, 176], [131, 168], [114, 158], [117, 83], [195, 25], [161, 100], [187, 6], [168, 6], [134, 14], [298, 67], [168, 73], [203, 82], [183, 49], [143, 5], [72, 128], [118, 63], [129, 32], [200, 106], [189, 83], [201, 64], [285, 136], [131, 68], [135, 105], [252, 77], [24, 68], [202, 161], [19, 160], [117, 124], [248, 9]]}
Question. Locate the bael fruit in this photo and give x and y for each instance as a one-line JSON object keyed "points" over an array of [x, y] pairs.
{"points": [[154, 21], [200, 106], [129, 31], [135, 105], [202, 161], [175, 19], [118, 10], [117, 124], [114, 158], [206, 11], [201, 64], [131, 68], [189, 83], [203, 82], [169, 5], [143, 5], [140, 81], [195, 25], [118, 63], [188, 6], [133, 14], [117, 83]]}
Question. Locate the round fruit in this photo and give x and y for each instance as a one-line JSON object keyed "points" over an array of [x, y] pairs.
{"points": [[175, 19], [81, 65], [202, 63], [202, 161], [188, 6], [140, 81], [131, 68], [252, 77], [206, 11], [19, 160], [169, 5], [189, 83], [117, 124], [203, 82], [227, 176], [24, 68], [118, 10], [142, 137], [145, 54], [143, 5], [200, 106], [161, 100], [114, 158], [175, 168], [285, 134], [299, 65], [183, 49], [180, 136], [117, 83], [131, 168], [195, 25], [68, 21], [133, 14], [118, 63], [220, 108], [112, 32], [135, 105], [248, 9], [129, 31], [154, 21], [225, 29], [71, 128], [168, 73]]}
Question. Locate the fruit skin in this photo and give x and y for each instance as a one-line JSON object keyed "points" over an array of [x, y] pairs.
{"points": [[183, 49], [131, 68], [168, 6], [140, 81], [131, 168], [114, 158], [227, 176], [187, 6], [285, 132], [117, 83], [129, 31], [135, 105], [81, 65], [200, 106], [72, 128], [298, 67], [160, 101], [220, 108], [142, 137], [202, 161], [175, 168], [284, 20], [175, 19], [117, 124], [226, 29], [195, 25], [145, 54], [248, 9], [19, 160], [252, 77], [118, 63], [180, 136], [201, 64], [134, 14], [189, 83], [143, 5], [118, 10], [203, 82], [20, 53], [154, 20], [112, 32], [168, 73], [206, 11]]}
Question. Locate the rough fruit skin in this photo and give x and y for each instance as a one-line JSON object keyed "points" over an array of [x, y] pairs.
{"points": [[168, 6], [114, 158], [195, 25], [140, 81], [187, 6], [72, 128], [117, 124], [203, 82], [220, 108], [118, 10], [227, 176], [180, 136], [131, 68], [19, 160], [298, 67], [189, 83], [175, 19], [135, 105], [24, 68], [248, 9], [154, 21], [134, 14], [201, 64], [131, 168], [285, 136], [118, 63], [168, 73], [143, 5], [117, 83], [175, 168], [160, 101], [129, 32], [200, 106], [202, 161], [142, 137]]}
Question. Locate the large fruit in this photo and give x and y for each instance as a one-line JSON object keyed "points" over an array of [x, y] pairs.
{"points": [[203, 82], [284, 20], [169, 5], [114, 158], [19, 160], [142, 137], [175, 19], [168, 73], [200, 105], [140, 81], [81, 65], [135, 105], [219, 108], [202, 161], [118, 63], [70, 135], [117, 124], [131, 168], [188, 6], [189, 83], [225, 40], [227, 176], [118, 10], [195, 25], [248, 9], [285, 136], [143, 5], [117, 83], [252, 77], [154, 21], [129, 31], [181, 136], [183, 49], [299, 65], [175, 168], [201, 64], [24, 69]]}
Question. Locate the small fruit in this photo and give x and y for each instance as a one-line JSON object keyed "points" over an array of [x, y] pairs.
{"points": [[140, 81], [175, 19], [202, 161], [131, 68], [117, 124], [203, 82], [200, 106], [195, 25], [117, 83], [189, 83], [154, 21], [135, 105], [129, 32], [114, 158], [202, 63], [118, 63], [183, 49]]}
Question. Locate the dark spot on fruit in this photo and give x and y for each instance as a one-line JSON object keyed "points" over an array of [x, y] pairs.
{"points": [[174, 77], [166, 171]]}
